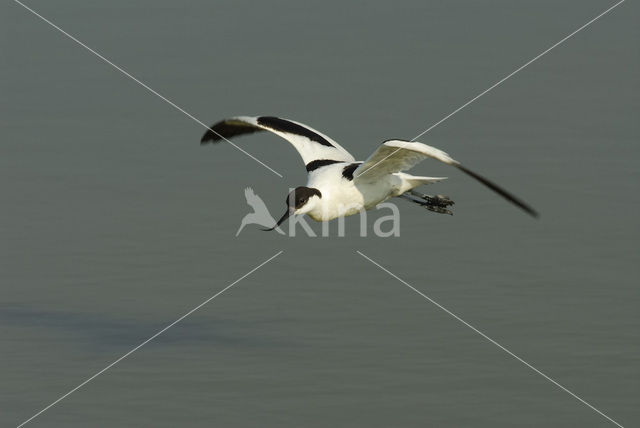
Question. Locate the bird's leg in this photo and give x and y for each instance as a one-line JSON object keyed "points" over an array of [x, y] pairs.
{"points": [[438, 203], [437, 200]]}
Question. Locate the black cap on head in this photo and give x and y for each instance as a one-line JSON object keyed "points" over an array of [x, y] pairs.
{"points": [[300, 195], [296, 199]]}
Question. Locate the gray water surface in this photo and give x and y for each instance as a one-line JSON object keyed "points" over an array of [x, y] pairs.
{"points": [[115, 221]]}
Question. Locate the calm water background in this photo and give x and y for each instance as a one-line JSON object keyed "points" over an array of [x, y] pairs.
{"points": [[115, 221]]}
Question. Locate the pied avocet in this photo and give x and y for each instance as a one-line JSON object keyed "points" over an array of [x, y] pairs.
{"points": [[338, 185]]}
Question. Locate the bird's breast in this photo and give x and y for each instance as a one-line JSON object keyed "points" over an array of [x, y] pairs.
{"points": [[343, 197]]}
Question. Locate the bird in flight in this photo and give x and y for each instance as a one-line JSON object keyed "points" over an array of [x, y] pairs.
{"points": [[338, 185]]}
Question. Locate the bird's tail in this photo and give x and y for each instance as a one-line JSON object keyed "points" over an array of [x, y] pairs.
{"points": [[411, 181], [414, 181], [426, 180]]}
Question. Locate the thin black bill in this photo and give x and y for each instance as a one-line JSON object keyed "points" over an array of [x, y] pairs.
{"points": [[285, 216]]}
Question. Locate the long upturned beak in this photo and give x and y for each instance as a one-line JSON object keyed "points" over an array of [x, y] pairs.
{"points": [[285, 216]]}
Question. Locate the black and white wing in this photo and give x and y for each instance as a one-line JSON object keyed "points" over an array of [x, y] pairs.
{"points": [[310, 144], [397, 155]]}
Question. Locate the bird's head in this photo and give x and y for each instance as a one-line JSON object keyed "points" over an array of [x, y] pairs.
{"points": [[300, 200]]}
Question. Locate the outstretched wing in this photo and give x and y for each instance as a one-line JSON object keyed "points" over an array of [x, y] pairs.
{"points": [[310, 144], [397, 155]]}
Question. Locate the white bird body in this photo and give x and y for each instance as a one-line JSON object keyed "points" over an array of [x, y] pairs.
{"points": [[337, 185], [342, 197]]}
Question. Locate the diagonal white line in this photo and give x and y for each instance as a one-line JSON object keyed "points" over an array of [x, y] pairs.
{"points": [[546, 51], [149, 339], [490, 339], [517, 70], [144, 85]]}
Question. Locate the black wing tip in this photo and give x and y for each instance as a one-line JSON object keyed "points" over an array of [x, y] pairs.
{"points": [[206, 138], [210, 137], [499, 190], [226, 129], [533, 213]]}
